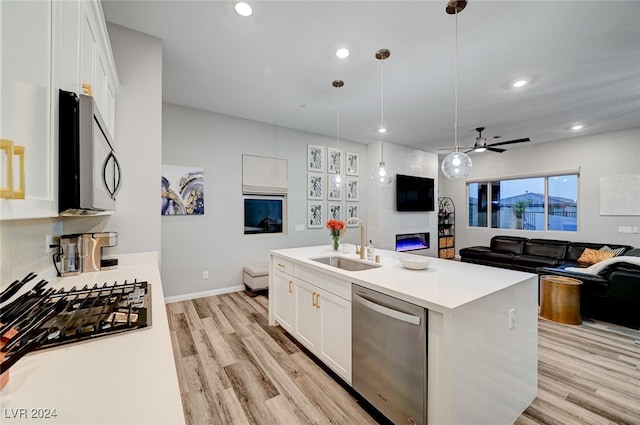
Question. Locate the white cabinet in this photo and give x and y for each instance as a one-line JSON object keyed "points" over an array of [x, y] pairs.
{"points": [[315, 308], [27, 102], [40, 45], [322, 319], [88, 65], [283, 299]]}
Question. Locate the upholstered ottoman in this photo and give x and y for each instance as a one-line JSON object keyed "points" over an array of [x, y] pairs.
{"points": [[256, 278]]}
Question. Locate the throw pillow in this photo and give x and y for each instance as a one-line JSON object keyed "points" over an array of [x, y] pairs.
{"points": [[591, 256], [616, 251]]}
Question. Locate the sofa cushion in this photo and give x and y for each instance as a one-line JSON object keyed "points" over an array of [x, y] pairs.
{"points": [[546, 248], [533, 261], [475, 251], [507, 244], [592, 256], [576, 249]]}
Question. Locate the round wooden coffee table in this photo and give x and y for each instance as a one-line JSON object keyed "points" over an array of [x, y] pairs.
{"points": [[560, 299]]}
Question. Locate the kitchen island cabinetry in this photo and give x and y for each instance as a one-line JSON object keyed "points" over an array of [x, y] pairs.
{"points": [[283, 289], [481, 335], [315, 308]]}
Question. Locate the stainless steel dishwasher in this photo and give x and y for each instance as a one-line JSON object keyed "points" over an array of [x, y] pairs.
{"points": [[390, 355]]}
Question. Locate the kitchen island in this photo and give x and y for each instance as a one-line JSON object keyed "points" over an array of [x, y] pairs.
{"points": [[126, 378], [482, 326]]}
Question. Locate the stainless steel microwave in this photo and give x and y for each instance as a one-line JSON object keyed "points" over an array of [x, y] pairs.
{"points": [[90, 174]]}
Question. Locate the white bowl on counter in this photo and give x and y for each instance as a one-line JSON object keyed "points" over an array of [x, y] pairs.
{"points": [[415, 262]]}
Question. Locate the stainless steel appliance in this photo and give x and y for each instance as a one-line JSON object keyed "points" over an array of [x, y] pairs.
{"points": [[94, 258], [70, 255], [390, 355], [44, 318], [89, 170], [84, 252]]}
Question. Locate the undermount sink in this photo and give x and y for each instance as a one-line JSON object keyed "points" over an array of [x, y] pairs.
{"points": [[345, 263]]}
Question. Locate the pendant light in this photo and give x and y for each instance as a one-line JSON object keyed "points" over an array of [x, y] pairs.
{"points": [[382, 176], [336, 181], [456, 165]]}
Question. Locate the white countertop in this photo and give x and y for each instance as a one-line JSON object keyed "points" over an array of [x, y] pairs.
{"points": [[444, 285], [129, 378]]}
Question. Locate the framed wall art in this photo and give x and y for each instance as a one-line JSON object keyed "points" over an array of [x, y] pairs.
{"points": [[182, 190], [334, 161], [315, 216], [352, 190], [353, 164], [315, 186], [352, 212], [334, 211], [334, 193], [315, 158]]}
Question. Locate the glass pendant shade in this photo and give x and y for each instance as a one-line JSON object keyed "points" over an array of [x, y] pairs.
{"points": [[381, 176], [456, 165], [336, 181]]}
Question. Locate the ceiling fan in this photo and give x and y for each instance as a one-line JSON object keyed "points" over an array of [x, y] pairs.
{"points": [[481, 144]]}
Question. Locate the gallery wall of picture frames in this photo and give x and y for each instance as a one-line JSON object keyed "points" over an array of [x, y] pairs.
{"points": [[323, 201]]}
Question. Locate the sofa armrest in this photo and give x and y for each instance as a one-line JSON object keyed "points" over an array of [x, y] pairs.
{"points": [[625, 285], [584, 277]]}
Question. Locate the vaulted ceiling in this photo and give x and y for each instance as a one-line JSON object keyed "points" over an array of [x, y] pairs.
{"points": [[581, 60]]}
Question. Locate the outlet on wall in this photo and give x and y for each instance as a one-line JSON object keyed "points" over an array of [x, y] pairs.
{"points": [[512, 318], [48, 242], [205, 275]]}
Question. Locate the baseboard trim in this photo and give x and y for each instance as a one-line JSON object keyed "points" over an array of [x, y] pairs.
{"points": [[194, 295]]}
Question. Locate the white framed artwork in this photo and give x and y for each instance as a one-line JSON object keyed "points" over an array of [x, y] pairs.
{"points": [[353, 164], [334, 192], [334, 211], [315, 186], [315, 216], [315, 158], [352, 190], [352, 212], [334, 161]]}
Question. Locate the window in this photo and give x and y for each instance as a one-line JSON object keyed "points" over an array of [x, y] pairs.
{"points": [[532, 203]]}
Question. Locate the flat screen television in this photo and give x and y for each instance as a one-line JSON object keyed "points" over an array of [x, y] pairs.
{"points": [[264, 214], [414, 193]]}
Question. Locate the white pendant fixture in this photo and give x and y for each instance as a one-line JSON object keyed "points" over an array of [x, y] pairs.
{"points": [[336, 181], [456, 165], [381, 175]]}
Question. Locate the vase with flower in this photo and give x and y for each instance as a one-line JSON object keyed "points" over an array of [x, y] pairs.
{"points": [[336, 230]]}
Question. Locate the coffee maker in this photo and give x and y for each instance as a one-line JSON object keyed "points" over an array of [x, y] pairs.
{"points": [[85, 252], [69, 255], [93, 245]]}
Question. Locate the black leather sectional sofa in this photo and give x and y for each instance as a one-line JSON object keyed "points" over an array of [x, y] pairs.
{"points": [[612, 295]]}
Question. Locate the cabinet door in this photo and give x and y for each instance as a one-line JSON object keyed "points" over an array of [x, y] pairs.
{"points": [[335, 333], [306, 314], [283, 299], [26, 105]]}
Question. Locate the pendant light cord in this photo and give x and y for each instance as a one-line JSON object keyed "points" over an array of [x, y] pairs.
{"points": [[382, 129], [338, 121], [455, 120]]}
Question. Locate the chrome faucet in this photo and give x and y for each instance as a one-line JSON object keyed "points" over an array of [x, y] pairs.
{"points": [[360, 250]]}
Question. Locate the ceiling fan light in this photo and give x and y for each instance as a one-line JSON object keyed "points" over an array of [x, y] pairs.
{"points": [[456, 165], [480, 149]]}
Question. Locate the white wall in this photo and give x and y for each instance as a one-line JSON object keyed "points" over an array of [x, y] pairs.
{"points": [[215, 242], [383, 221], [616, 153]]}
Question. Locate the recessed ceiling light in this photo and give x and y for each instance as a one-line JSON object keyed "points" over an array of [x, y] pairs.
{"points": [[342, 53], [577, 127], [519, 83], [243, 9]]}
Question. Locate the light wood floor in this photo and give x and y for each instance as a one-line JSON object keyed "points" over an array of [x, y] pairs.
{"points": [[235, 369]]}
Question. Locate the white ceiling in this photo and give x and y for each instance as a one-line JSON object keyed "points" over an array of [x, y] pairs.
{"points": [[582, 59]]}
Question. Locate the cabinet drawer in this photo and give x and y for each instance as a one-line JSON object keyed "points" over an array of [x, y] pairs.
{"points": [[336, 286], [283, 265]]}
